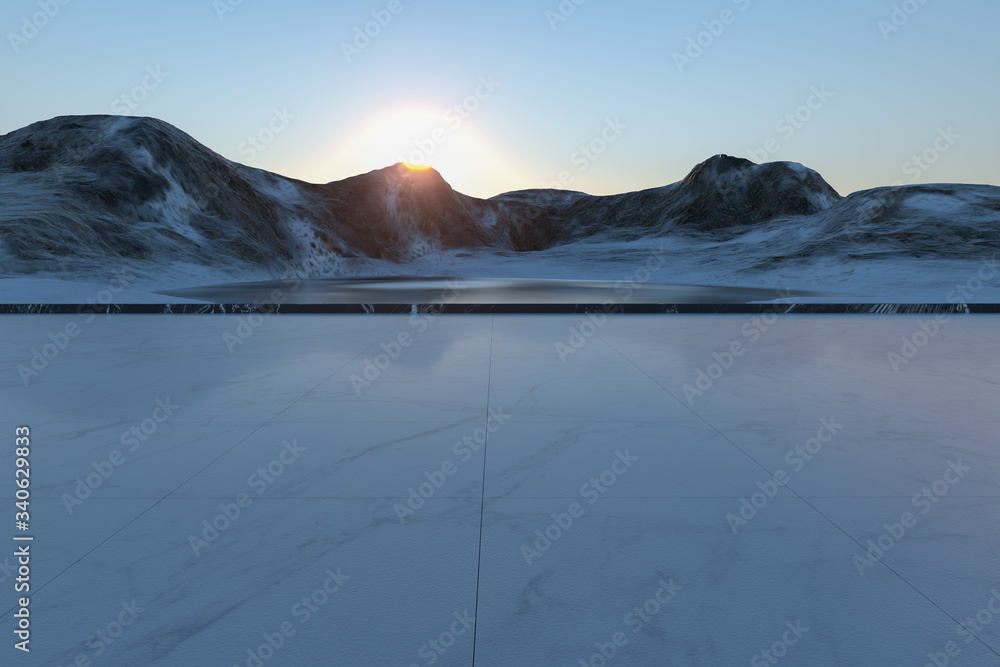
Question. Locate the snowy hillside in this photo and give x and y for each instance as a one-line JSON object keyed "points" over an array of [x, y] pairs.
{"points": [[83, 196]]}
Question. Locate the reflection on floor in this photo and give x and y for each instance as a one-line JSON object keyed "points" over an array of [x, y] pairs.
{"points": [[561, 490]]}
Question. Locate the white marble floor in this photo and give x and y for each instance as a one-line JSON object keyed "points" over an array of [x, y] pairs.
{"points": [[507, 490]]}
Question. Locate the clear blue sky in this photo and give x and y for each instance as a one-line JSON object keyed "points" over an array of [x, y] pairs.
{"points": [[609, 68]]}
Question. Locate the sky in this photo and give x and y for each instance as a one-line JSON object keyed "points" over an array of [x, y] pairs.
{"points": [[589, 95]]}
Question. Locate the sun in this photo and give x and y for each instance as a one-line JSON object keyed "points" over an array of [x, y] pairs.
{"points": [[422, 137], [415, 134]]}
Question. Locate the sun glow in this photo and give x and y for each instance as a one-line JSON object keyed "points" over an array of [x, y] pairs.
{"points": [[402, 134], [424, 137]]}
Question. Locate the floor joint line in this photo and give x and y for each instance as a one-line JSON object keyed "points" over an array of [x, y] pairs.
{"points": [[482, 502]]}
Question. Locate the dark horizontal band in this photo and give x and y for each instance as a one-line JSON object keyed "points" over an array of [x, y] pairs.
{"points": [[503, 309]]}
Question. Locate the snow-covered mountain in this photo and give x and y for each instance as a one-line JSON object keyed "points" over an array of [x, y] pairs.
{"points": [[81, 193]]}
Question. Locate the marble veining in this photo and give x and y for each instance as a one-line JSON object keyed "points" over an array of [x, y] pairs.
{"points": [[211, 494]]}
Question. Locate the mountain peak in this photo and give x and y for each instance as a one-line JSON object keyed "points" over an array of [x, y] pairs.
{"points": [[803, 190], [415, 168], [417, 174], [718, 168], [414, 178]]}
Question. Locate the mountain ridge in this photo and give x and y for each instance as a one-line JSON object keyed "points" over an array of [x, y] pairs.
{"points": [[84, 191]]}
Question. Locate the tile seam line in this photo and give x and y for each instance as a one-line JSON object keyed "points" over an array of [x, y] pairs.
{"points": [[813, 507], [482, 501], [171, 492]]}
